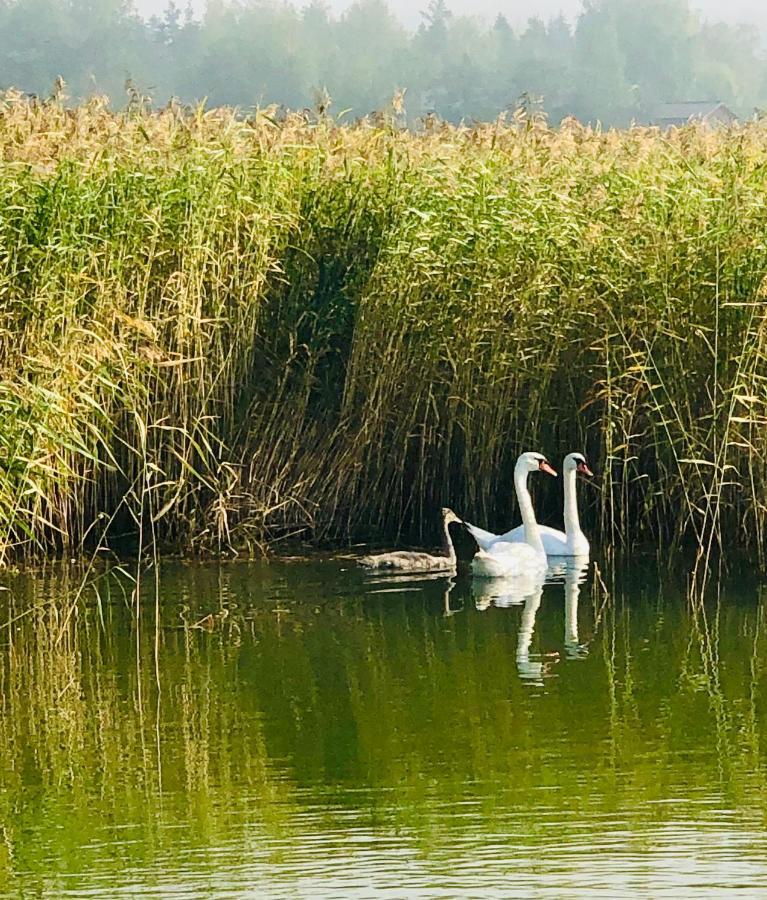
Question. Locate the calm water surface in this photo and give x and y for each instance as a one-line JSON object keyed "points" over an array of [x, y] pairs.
{"points": [[298, 729]]}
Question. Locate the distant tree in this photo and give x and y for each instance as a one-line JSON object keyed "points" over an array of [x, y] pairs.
{"points": [[620, 60], [249, 55], [502, 28], [500, 62], [601, 90], [436, 21], [656, 43], [367, 73], [543, 67], [729, 65], [167, 26]]}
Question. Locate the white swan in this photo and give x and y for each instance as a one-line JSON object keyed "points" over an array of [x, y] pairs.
{"points": [[503, 558], [411, 561], [570, 542]]}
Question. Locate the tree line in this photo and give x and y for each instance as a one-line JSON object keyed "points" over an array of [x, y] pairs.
{"points": [[614, 64]]}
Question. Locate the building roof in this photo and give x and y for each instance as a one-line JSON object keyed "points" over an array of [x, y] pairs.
{"points": [[693, 110]]}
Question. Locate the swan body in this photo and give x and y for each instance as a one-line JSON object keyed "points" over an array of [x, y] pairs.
{"points": [[497, 559], [556, 542], [413, 561], [508, 561], [570, 542]]}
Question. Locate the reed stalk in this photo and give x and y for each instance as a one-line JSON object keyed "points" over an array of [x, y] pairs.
{"points": [[220, 331]]}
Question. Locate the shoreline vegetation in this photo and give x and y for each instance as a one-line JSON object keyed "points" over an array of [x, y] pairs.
{"points": [[220, 331]]}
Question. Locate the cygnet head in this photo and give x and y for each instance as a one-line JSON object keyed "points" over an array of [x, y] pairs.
{"points": [[577, 462], [534, 462], [449, 516]]}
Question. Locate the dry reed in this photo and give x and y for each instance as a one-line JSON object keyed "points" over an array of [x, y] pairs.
{"points": [[219, 331]]}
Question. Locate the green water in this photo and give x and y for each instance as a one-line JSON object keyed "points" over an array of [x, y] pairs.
{"points": [[327, 734]]}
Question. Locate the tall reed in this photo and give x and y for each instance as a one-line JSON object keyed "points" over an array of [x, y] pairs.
{"points": [[216, 330]]}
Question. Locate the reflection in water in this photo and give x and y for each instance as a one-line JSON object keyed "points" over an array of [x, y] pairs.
{"points": [[528, 592], [572, 571], [529, 670], [575, 574], [507, 592], [317, 738]]}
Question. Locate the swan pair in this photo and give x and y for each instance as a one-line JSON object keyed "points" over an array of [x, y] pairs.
{"points": [[525, 549]]}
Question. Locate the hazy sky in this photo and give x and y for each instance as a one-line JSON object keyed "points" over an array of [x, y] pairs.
{"points": [[518, 11]]}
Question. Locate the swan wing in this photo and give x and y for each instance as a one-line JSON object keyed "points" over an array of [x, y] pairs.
{"points": [[508, 559], [485, 539], [405, 560], [554, 540]]}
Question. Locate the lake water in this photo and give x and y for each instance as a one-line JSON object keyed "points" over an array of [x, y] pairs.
{"points": [[298, 729]]}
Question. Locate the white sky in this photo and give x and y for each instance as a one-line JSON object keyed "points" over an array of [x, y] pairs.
{"points": [[518, 11]]}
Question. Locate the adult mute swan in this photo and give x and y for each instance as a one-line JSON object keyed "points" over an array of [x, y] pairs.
{"points": [[570, 542], [503, 558], [409, 561]]}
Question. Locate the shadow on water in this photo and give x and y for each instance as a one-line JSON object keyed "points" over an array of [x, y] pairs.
{"points": [[302, 728]]}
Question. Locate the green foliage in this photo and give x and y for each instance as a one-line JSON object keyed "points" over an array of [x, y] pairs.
{"points": [[615, 64]]}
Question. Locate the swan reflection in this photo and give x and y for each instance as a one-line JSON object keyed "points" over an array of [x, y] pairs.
{"points": [[527, 591], [505, 592], [571, 571], [529, 670], [577, 571]]}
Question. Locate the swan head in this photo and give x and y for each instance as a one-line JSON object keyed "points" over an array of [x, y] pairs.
{"points": [[449, 516], [534, 462], [577, 462]]}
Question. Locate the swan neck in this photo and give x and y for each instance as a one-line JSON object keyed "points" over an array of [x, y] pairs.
{"points": [[447, 542], [532, 532], [572, 522]]}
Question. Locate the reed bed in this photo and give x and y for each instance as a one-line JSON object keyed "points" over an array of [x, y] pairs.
{"points": [[217, 331]]}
